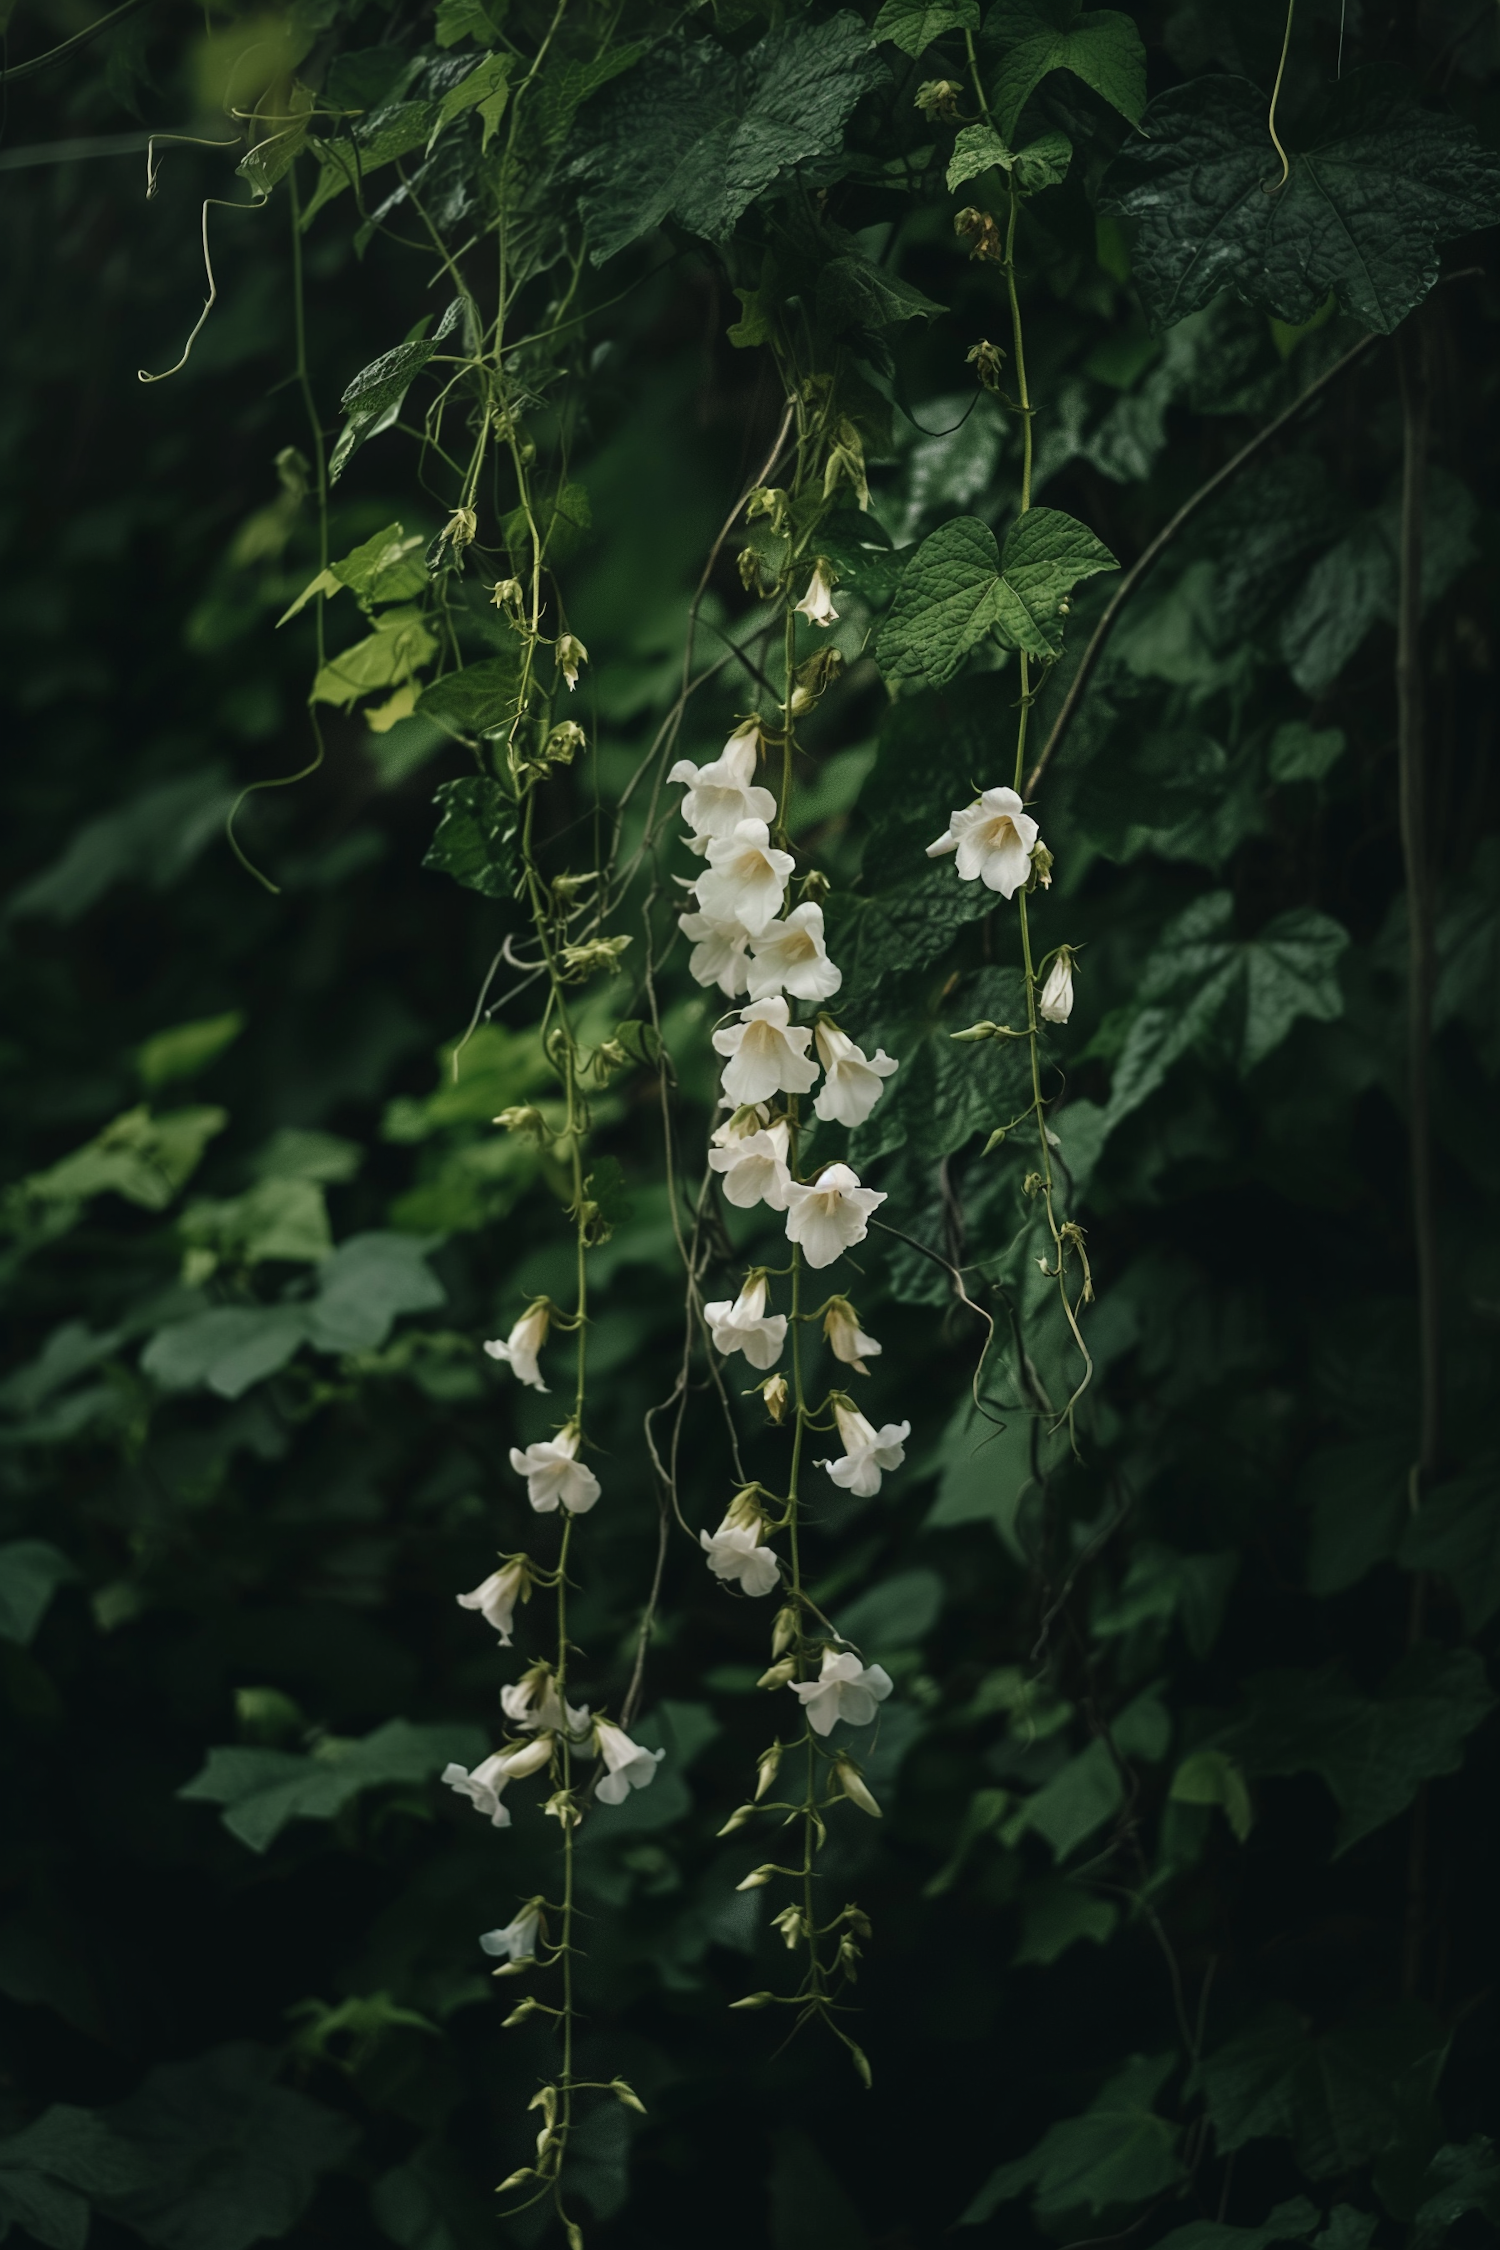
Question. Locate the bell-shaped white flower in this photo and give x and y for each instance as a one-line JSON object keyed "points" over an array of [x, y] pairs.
{"points": [[848, 1339], [852, 1086], [844, 1689], [791, 956], [525, 1340], [720, 953], [734, 1552], [1056, 1002], [746, 877], [571, 653], [485, 1785], [745, 1325], [496, 1597], [554, 1477], [517, 1941], [766, 1053], [533, 1703], [868, 1452], [994, 839], [627, 1765], [831, 1215], [752, 1160], [817, 603], [720, 795]]}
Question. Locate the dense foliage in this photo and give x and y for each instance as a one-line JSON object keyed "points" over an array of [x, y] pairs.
{"points": [[931, 399]]}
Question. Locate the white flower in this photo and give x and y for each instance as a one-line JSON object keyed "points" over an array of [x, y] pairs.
{"points": [[517, 1941], [767, 1053], [852, 1086], [483, 1787], [525, 1340], [496, 1598], [746, 877], [849, 1341], [570, 654], [553, 1475], [752, 1160], [734, 1551], [1056, 1002], [719, 953], [993, 838], [790, 956], [867, 1451], [532, 1702], [745, 1326], [830, 1216], [629, 1766], [817, 603], [719, 796], [844, 1689]]}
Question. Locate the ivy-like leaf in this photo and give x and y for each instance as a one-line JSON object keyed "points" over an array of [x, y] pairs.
{"points": [[853, 292], [261, 1790], [375, 141], [1362, 213], [475, 700], [395, 652], [1341, 2098], [386, 567], [698, 133], [1458, 1535], [1119, 2152], [476, 836], [913, 25], [1036, 37], [958, 587], [1289, 2222]]}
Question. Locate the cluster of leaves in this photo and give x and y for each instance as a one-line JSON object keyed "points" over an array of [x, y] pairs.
{"points": [[1182, 1896]]}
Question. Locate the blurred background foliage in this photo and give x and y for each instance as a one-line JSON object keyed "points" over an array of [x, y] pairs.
{"points": [[1184, 1897]]}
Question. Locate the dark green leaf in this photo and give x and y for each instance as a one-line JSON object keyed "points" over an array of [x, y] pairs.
{"points": [[261, 1790], [1343, 2097], [478, 700], [1036, 37], [475, 841], [913, 25], [958, 587], [853, 292], [31, 1570], [1458, 2180], [1289, 2222], [1118, 2153], [1457, 1534]]}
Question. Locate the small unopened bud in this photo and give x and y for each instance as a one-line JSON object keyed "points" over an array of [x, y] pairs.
{"points": [[981, 234], [508, 594], [938, 98], [774, 1396], [737, 1819], [848, 1957], [520, 2014], [784, 1630], [514, 1968], [1041, 868], [593, 955], [814, 886], [779, 1674], [770, 1761], [523, 1119], [561, 1808], [791, 1925], [627, 2096], [516, 2180], [462, 528], [768, 500], [1033, 1184], [754, 2000], [749, 562], [757, 1879], [574, 2231], [571, 654], [564, 743], [986, 359], [976, 1031], [852, 1782]]}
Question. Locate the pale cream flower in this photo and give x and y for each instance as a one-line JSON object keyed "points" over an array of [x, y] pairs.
{"points": [[844, 1689], [745, 1325], [720, 795], [766, 1053], [994, 840], [627, 1765], [485, 1785], [848, 1339], [791, 956], [868, 1452], [520, 1347], [517, 1941], [720, 953], [746, 877], [496, 1598], [752, 1160], [734, 1552], [852, 1085], [554, 1477], [532, 1702], [831, 1215], [1056, 1002], [817, 603]]}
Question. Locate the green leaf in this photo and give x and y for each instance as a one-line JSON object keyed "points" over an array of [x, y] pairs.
{"points": [[279, 1218], [262, 1790], [977, 148], [487, 88], [1354, 585], [31, 1570], [1101, 47], [897, 1614], [698, 133], [1374, 1752], [479, 699], [1300, 752], [564, 520], [475, 841], [145, 1159], [1180, 796], [1060, 1916], [1160, 1584], [1359, 1495], [477, 1078], [853, 292], [1212, 1777], [375, 141], [1043, 163], [228, 1349], [1203, 988], [1349, 2094], [913, 25], [957, 588], [186, 1049], [457, 20], [387, 567], [1457, 1535], [1289, 2222], [1088, 1790], [370, 1280], [153, 838], [371, 403], [1118, 2153], [1381, 185], [394, 653], [1458, 2180]]}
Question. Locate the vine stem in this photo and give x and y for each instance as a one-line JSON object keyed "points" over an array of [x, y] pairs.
{"points": [[1286, 46]]}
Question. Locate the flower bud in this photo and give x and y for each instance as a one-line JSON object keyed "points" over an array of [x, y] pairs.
{"points": [[561, 1807], [976, 1031], [570, 654], [516, 2180], [574, 2231], [767, 500], [1041, 868], [737, 1819], [514, 1968], [852, 1783], [938, 98], [779, 1674], [757, 1879], [508, 595], [774, 1396], [986, 359], [564, 743], [523, 1119], [520, 2014], [462, 528], [596, 953], [814, 887], [981, 234], [848, 1957], [791, 1925], [754, 2000], [784, 1630], [627, 2096], [769, 1763]]}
